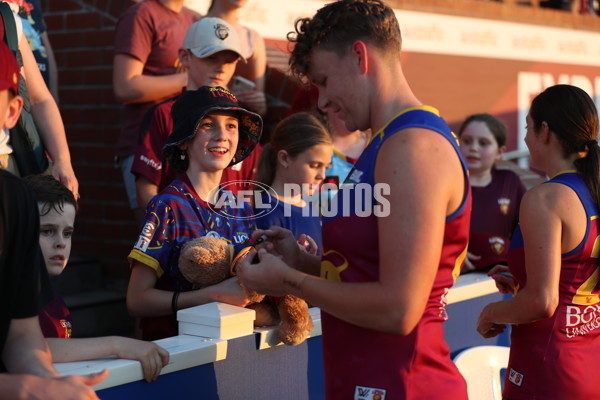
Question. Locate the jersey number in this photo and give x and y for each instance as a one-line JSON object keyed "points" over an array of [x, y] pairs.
{"points": [[584, 295]]}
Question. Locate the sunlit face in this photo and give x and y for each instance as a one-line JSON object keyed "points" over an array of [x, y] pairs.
{"points": [[215, 142], [340, 93], [531, 139], [214, 70], [307, 167], [56, 230], [479, 147]]}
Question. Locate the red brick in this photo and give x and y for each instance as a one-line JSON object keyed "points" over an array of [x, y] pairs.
{"points": [[65, 40], [87, 95], [61, 6], [54, 22], [90, 115], [100, 75], [99, 154], [68, 76], [111, 231], [83, 20], [102, 210], [100, 173], [94, 192], [106, 135], [102, 37], [88, 58]]}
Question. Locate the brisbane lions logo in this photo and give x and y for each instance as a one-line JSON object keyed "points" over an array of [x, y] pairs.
{"points": [[332, 265], [221, 31]]}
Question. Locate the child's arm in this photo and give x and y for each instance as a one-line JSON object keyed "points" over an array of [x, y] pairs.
{"points": [[152, 357], [143, 300]]}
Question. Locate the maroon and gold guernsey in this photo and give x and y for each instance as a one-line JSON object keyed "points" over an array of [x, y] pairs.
{"points": [[55, 319], [362, 363], [556, 357]]}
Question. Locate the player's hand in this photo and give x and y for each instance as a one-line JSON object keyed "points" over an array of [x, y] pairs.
{"points": [[503, 278], [487, 328], [267, 276], [282, 242]]}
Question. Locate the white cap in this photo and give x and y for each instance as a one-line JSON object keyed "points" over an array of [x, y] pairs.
{"points": [[211, 35]]}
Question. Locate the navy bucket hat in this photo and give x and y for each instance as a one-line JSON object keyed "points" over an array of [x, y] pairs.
{"points": [[192, 107]]}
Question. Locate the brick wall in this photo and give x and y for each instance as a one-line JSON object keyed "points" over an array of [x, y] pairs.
{"points": [[82, 35]]}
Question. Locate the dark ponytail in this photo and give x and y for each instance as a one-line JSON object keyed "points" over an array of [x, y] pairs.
{"points": [[589, 168], [572, 115]]}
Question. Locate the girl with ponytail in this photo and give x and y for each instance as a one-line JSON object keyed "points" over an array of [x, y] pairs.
{"points": [[291, 168], [555, 311]]}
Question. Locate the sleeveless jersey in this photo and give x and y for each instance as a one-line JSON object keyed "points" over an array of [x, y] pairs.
{"points": [[362, 363], [554, 358]]}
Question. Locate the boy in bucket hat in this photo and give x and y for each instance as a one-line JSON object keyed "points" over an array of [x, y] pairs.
{"points": [[210, 52], [211, 132]]}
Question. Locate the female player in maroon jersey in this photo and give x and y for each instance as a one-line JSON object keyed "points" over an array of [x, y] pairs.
{"points": [[553, 259]]}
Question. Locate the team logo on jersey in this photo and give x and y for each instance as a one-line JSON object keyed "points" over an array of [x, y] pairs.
{"points": [[367, 393], [66, 325], [504, 204], [515, 377], [145, 237], [332, 265], [497, 244]]}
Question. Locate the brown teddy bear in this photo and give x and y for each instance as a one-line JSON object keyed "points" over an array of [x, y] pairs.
{"points": [[206, 261]]}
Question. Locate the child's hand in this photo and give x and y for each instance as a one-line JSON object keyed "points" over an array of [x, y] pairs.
{"points": [[468, 264], [308, 244], [230, 291], [503, 278], [152, 357]]}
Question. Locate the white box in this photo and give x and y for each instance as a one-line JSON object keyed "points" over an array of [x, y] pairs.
{"points": [[216, 320]]}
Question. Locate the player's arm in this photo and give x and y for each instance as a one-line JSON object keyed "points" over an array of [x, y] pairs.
{"points": [[130, 85], [410, 240], [544, 210]]}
